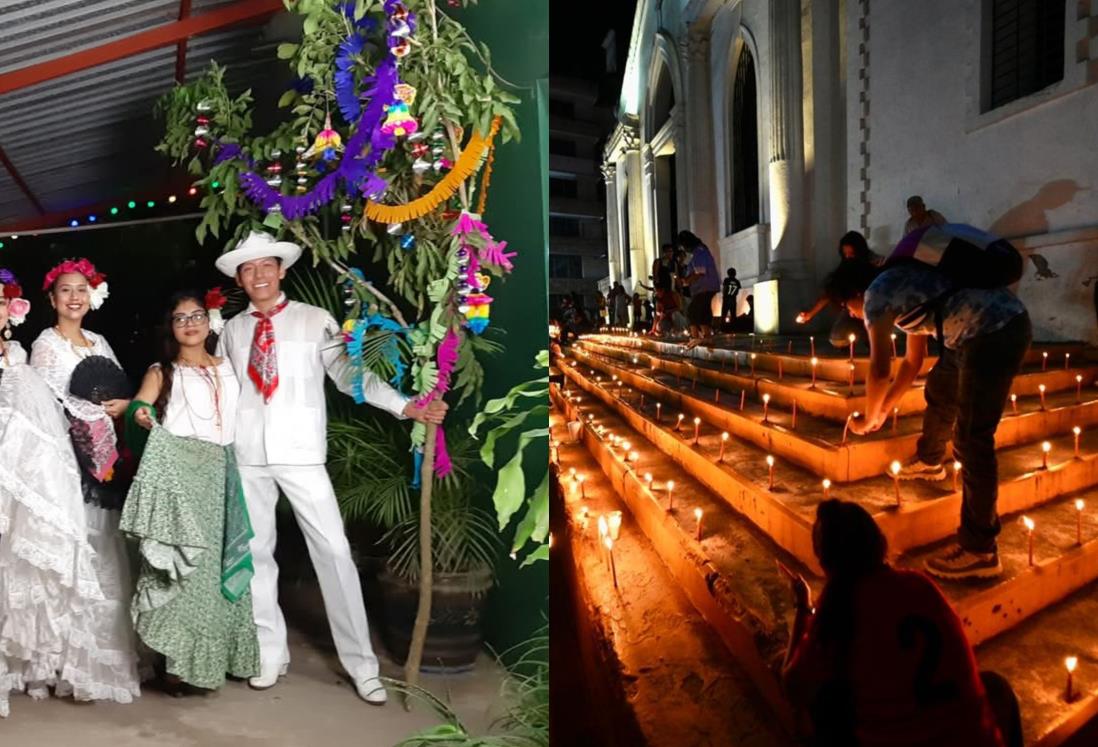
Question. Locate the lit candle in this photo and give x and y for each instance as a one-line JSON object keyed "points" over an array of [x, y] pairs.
{"points": [[1014, 403], [633, 458], [956, 473], [1029, 525], [698, 522], [583, 491], [1044, 361], [846, 428], [613, 569], [766, 407], [1070, 663], [659, 408], [895, 417], [812, 346], [1078, 388], [793, 423], [613, 523], [770, 469], [1046, 447], [635, 360], [752, 364], [1079, 506], [724, 441], [894, 468], [1041, 390], [670, 497], [678, 423], [815, 361], [827, 488], [648, 480], [852, 337], [625, 445], [1067, 360], [1076, 431], [697, 429], [743, 398], [893, 336]]}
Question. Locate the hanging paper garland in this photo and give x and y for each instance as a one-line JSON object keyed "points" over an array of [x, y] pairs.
{"points": [[467, 163], [486, 180]]}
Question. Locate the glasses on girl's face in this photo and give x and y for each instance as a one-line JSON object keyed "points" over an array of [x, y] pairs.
{"points": [[185, 320]]}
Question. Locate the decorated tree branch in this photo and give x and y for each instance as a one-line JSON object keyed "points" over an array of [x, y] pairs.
{"points": [[387, 143]]}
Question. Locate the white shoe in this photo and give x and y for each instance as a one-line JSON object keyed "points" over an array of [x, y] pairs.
{"points": [[371, 690], [267, 678]]}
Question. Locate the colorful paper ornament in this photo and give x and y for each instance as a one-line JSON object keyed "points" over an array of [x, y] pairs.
{"points": [[399, 121], [328, 143], [400, 49]]}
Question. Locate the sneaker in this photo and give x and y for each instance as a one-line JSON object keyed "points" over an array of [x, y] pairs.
{"points": [[957, 563], [920, 470]]}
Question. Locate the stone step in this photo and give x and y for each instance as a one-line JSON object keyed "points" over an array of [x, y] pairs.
{"points": [[929, 511], [817, 443], [826, 398], [661, 635], [658, 686], [832, 364], [1031, 656], [736, 565]]}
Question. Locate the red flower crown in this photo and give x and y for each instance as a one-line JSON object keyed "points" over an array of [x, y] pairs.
{"points": [[81, 266], [215, 299]]}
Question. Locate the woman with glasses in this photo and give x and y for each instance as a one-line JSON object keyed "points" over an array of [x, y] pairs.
{"points": [[186, 511], [108, 667]]}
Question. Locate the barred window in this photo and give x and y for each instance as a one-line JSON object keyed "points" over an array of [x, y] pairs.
{"points": [[1027, 48]]}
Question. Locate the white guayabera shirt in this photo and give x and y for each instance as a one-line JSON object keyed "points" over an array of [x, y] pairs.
{"points": [[292, 427]]}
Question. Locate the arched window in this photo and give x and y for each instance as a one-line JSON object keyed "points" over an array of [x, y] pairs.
{"points": [[745, 144], [663, 100]]}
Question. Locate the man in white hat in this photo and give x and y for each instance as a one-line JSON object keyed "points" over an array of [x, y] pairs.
{"points": [[281, 350]]}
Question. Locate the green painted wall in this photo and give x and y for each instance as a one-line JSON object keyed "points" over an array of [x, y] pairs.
{"points": [[517, 33]]}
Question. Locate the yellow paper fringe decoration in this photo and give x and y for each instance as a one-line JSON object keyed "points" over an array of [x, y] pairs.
{"points": [[486, 180], [466, 164]]}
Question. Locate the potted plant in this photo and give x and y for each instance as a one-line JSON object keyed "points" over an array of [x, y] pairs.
{"points": [[371, 467]]}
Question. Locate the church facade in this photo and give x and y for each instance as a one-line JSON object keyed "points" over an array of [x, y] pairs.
{"points": [[770, 128]]}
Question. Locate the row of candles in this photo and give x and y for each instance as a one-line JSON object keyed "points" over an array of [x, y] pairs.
{"points": [[609, 524]]}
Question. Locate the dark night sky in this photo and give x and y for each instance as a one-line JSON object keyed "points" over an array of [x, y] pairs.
{"points": [[576, 33]]}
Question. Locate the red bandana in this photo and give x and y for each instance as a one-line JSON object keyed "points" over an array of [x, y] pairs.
{"points": [[263, 362]]}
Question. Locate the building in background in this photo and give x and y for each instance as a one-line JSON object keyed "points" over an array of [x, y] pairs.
{"points": [[578, 123], [769, 129]]}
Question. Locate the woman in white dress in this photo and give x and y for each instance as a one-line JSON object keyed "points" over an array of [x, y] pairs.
{"points": [[46, 564], [74, 288]]}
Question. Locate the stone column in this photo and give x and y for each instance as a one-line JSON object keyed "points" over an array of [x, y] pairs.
{"points": [[695, 146], [784, 283], [639, 185], [613, 218]]}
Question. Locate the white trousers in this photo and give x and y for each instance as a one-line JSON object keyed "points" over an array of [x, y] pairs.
{"points": [[309, 491]]}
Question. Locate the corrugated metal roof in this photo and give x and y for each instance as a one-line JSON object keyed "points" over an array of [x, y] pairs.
{"points": [[88, 137]]}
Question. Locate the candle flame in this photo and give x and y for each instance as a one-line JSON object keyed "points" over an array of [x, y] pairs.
{"points": [[895, 468], [1041, 388], [670, 484], [1014, 398], [581, 478], [625, 445], [753, 356], [698, 514], [826, 483], [956, 466], [852, 337], [1028, 522], [1046, 446], [648, 477], [1076, 430], [609, 543], [1071, 662], [724, 436], [604, 528], [766, 398], [633, 456], [769, 460], [681, 416], [1079, 505], [1078, 378], [815, 361], [697, 421], [893, 335]]}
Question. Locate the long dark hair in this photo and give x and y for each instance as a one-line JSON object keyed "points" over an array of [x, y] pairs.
{"points": [[688, 240], [849, 546], [856, 241], [169, 347]]}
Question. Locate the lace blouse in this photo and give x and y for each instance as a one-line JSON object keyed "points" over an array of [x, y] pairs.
{"points": [[55, 358]]}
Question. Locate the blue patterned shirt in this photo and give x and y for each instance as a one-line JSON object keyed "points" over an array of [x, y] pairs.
{"points": [[901, 292]]}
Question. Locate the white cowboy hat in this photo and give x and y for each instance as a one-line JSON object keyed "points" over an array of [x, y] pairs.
{"points": [[257, 245]]}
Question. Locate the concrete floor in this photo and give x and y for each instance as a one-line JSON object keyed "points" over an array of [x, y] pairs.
{"points": [[313, 705]]}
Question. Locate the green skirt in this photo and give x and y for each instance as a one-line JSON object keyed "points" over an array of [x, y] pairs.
{"points": [[192, 603]]}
